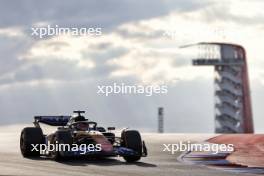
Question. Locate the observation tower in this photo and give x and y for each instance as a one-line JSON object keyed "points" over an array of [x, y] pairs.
{"points": [[233, 113]]}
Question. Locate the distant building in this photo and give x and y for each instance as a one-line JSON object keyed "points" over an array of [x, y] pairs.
{"points": [[233, 113], [160, 120]]}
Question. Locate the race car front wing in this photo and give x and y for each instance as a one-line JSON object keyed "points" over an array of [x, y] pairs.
{"points": [[117, 151]]}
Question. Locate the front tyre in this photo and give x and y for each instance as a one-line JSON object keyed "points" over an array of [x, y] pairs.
{"points": [[61, 137], [131, 139]]}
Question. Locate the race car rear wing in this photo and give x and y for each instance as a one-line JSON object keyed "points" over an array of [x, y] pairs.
{"points": [[52, 120]]}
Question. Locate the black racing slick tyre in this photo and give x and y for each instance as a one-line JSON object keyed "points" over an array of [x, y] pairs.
{"points": [[31, 136], [131, 139], [61, 137]]}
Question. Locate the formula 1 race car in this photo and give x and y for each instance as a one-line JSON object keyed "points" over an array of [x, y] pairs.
{"points": [[77, 136]]}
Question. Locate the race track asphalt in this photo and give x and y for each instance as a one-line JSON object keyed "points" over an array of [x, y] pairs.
{"points": [[158, 163]]}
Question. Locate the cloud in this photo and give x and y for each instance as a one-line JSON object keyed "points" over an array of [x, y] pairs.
{"points": [[116, 110], [104, 13]]}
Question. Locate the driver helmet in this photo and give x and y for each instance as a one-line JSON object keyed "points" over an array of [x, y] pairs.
{"points": [[82, 126], [79, 118]]}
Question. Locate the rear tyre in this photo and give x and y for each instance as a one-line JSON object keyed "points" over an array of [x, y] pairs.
{"points": [[61, 137], [31, 136], [131, 139]]}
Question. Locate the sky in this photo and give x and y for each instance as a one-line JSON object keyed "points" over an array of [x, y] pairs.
{"points": [[140, 44]]}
